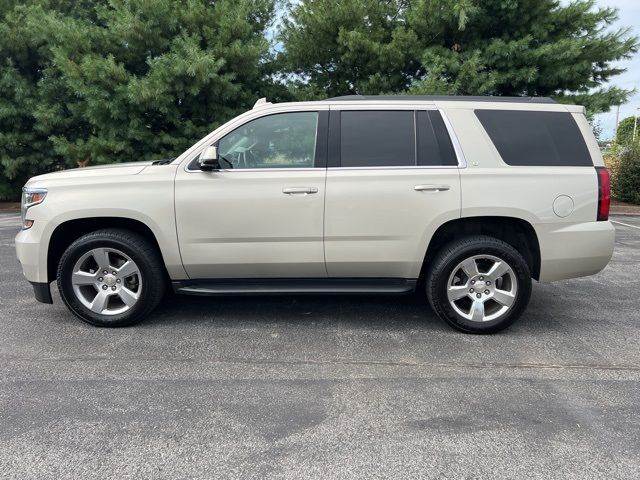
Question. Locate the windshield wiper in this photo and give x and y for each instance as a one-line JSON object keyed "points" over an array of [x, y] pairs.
{"points": [[163, 162]]}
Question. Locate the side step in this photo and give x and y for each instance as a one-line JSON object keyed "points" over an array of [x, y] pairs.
{"points": [[293, 286]]}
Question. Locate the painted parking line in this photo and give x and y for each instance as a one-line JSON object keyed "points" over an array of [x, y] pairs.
{"points": [[625, 224]]}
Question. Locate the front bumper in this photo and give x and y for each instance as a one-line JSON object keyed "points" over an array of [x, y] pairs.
{"points": [[30, 255], [34, 264]]}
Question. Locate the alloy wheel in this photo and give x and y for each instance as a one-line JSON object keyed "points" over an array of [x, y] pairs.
{"points": [[106, 281], [482, 288]]}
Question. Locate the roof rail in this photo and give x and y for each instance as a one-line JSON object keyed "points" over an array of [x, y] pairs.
{"points": [[441, 98]]}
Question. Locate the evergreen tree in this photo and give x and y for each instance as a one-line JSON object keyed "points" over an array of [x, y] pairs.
{"points": [[479, 47], [124, 80], [95, 81], [24, 55], [356, 46]]}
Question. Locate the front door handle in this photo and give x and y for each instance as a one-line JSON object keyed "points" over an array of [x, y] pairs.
{"points": [[431, 188], [299, 190]]}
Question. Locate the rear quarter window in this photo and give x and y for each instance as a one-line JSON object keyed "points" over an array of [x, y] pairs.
{"points": [[526, 138]]}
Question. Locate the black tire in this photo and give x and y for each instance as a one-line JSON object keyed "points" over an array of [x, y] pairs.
{"points": [[137, 248], [450, 256]]}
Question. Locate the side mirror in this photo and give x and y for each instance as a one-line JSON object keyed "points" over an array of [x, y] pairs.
{"points": [[209, 159]]}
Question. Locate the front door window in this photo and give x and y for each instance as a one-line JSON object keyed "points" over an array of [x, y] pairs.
{"points": [[284, 140]]}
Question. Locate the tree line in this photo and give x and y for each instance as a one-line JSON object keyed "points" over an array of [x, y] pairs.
{"points": [[85, 82]]}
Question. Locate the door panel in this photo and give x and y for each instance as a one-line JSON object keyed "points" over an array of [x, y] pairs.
{"points": [[241, 224], [393, 181], [261, 215], [378, 225]]}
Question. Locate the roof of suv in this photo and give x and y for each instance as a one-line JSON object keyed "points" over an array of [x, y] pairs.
{"points": [[439, 101], [441, 98]]}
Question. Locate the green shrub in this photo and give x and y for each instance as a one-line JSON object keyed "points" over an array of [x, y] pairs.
{"points": [[626, 181], [612, 162], [624, 133]]}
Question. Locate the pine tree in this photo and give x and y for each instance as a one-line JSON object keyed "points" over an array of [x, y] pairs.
{"points": [[123, 80], [357, 46], [472, 47], [24, 55], [96, 81]]}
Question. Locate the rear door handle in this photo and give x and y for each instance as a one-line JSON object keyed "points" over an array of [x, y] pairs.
{"points": [[299, 190], [431, 188]]}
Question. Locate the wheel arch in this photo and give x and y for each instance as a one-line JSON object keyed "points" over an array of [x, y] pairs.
{"points": [[517, 232], [69, 231]]}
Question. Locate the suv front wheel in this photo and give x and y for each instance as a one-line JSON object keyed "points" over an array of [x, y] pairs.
{"points": [[111, 277], [479, 284]]}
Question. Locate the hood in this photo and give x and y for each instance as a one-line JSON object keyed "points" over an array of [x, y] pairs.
{"points": [[129, 168]]}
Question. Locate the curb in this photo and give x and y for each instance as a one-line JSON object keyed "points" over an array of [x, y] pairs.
{"points": [[625, 214]]}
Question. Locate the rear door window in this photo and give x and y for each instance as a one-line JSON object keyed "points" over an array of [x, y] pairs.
{"points": [[434, 145], [526, 138], [387, 138], [377, 138]]}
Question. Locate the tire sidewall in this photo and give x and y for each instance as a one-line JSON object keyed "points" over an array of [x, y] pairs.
{"points": [[65, 286], [441, 280]]}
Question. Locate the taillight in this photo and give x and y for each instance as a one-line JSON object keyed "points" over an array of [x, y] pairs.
{"points": [[604, 193]]}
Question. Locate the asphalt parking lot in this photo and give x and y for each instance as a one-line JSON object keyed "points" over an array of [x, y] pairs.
{"points": [[325, 387]]}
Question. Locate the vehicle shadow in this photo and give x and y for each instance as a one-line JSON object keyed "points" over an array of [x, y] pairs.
{"points": [[545, 314], [366, 311]]}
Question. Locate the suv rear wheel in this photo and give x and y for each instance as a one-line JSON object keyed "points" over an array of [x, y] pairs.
{"points": [[111, 278], [479, 284]]}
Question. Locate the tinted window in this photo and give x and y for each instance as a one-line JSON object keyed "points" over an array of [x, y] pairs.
{"points": [[434, 144], [377, 138], [284, 140], [526, 138]]}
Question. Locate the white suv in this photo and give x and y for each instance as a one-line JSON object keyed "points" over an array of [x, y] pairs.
{"points": [[471, 197]]}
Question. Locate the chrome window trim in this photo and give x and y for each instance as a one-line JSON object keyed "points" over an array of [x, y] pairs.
{"points": [[405, 167], [415, 137], [246, 117], [239, 170], [457, 148]]}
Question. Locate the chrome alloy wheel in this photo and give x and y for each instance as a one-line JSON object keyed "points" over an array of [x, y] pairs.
{"points": [[482, 288], [106, 281]]}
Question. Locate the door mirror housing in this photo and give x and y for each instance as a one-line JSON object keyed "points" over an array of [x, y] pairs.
{"points": [[209, 159]]}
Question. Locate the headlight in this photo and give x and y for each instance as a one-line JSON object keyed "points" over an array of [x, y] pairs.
{"points": [[30, 197]]}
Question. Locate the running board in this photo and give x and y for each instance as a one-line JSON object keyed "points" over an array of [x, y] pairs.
{"points": [[294, 286]]}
